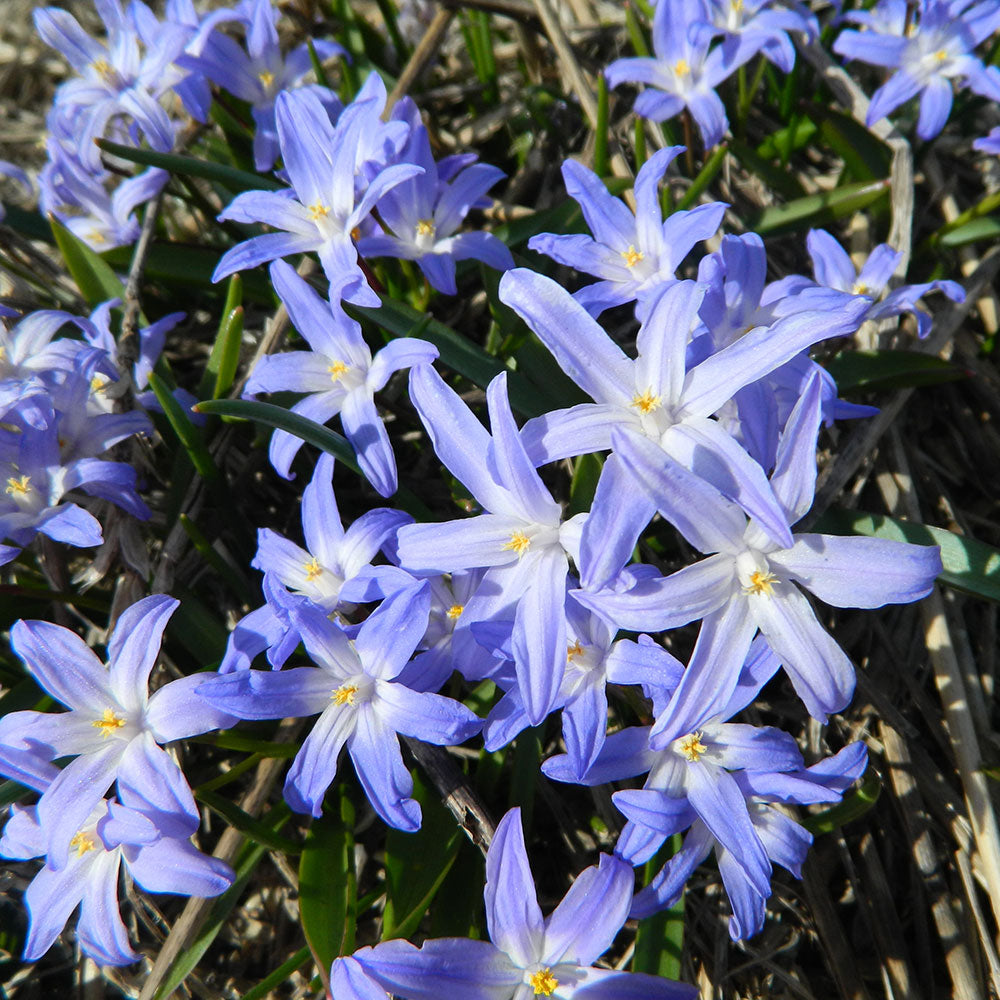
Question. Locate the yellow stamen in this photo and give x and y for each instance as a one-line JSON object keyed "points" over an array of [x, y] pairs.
{"points": [[737, 5], [761, 582], [425, 227], [543, 982], [266, 78], [103, 67], [317, 210], [632, 256], [345, 695], [681, 67], [691, 746], [98, 383], [313, 570], [455, 611], [336, 370], [96, 236], [20, 486], [860, 288], [519, 542], [940, 55], [646, 402], [81, 843], [108, 723], [574, 651]]}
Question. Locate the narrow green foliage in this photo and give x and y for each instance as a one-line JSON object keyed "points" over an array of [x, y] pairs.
{"points": [[968, 565], [388, 11], [940, 237], [659, 939], [853, 807], [601, 162], [277, 978], [416, 864], [972, 232], [187, 433], [820, 209], [221, 908], [224, 568], [235, 180], [882, 370], [327, 885], [277, 416], [457, 351], [775, 177], [225, 357], [92, 274], [866, 157], [253, 829], [706, 175], [637, 34], [317, 65], [196, 628], [586, 473], [525, 772]]}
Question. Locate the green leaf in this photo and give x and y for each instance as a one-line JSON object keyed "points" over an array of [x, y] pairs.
{"points": [[853, 806], [196, 628], [819, 209], [705, 177], [457, 352], [188, 435], [775, 177], [220, 910], [987, 228], [971, 566], [277, 978], [417, 863], [277, 416], [312, 433], [866, 157], [659, 939], [889, 370], [586, 473], [225, 357], [235, 180], [253, 829], [327, 889], [92, 274]]}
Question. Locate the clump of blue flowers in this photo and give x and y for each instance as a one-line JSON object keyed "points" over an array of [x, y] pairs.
{"points": [[436, 593]]}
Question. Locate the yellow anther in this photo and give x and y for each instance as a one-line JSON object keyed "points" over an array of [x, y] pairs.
{"points": [[681, 67], [317, 211], [860, 288], [737, 5], [691, 746], [632, 256], [313, 570], [647, 402], [455, 611], [81, 843], [543, 982], [336, 370], [96, 236], [940, 55], [98, 383], [103, 68], [18, 486], [345, 695], [572, 652], [266, 78], [108, 723], [356, 233], [519, 542], [425, 227], [761, 582]]}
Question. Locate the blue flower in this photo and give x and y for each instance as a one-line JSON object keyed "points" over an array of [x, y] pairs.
{"points": [[339, 374], [929, 52], [634, 256], [530, 955], [354, 689], [114, 727]]}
